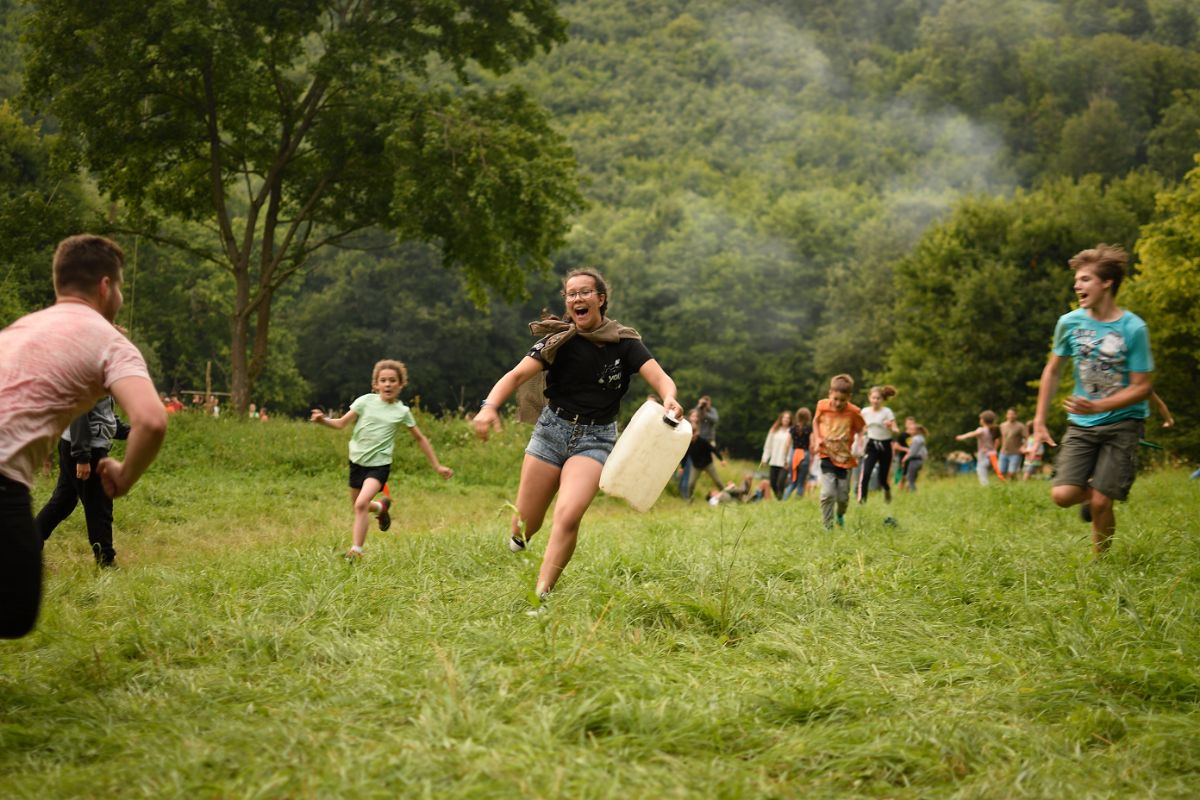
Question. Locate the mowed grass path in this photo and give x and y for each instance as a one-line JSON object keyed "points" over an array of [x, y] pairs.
{"points": [[973, 651]]}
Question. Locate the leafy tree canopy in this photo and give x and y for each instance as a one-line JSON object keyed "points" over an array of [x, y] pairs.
{"points": [[284, 127]]}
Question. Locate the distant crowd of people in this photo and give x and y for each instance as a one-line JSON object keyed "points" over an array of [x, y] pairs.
{"points": [[209, 404]]}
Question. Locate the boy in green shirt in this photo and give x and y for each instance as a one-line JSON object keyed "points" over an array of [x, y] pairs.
{"points": [[375, 418]]}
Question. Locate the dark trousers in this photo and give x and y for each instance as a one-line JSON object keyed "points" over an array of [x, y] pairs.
{"points": [[879, 453], [68, 492], [779, 480], [20, 563]]}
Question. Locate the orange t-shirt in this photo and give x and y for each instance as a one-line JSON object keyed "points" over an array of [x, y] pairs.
{"points": [[837, 430]]}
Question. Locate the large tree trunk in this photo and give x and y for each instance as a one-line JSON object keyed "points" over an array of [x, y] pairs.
{"points": [[238, 372], [239, 339], [262, 327]]}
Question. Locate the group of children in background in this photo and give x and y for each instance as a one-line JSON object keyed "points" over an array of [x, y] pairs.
{"points": [[1005, 449]]}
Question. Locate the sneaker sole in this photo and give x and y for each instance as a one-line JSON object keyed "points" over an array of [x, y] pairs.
{"points": [[385, 519]]}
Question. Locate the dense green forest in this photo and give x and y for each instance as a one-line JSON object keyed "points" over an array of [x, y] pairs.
{"points": [[777, 192]]}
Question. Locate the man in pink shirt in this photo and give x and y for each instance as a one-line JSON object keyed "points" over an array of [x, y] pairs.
{"points": [[54, 365]]}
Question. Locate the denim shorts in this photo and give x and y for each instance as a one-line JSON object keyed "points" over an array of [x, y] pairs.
{"points": [[555, 440], [1010, 463]]}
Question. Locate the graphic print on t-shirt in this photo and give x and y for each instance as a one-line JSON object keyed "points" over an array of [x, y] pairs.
{"points": [[1100, 361], [610, 375], [837, 436]]}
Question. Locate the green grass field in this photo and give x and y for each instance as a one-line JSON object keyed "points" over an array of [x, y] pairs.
{"points": [[976, 650]]}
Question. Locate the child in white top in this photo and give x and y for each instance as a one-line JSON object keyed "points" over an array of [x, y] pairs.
{"points": [[881, 424], [375, 418]]}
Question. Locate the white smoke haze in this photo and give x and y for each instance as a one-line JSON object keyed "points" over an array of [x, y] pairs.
{"points": [[948, 153], [854, 172]]}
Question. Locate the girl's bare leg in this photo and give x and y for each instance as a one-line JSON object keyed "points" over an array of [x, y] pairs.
{"points": [[362, 500], [539, 482], [578, 484]]}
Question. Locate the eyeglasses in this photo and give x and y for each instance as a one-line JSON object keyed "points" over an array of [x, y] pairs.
{"points": [[582, 294]]}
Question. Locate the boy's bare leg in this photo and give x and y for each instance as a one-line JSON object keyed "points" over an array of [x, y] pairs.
{"points": [[363, 502], [1104, 522], [578, 484], [1065, 496], [539, 482]]}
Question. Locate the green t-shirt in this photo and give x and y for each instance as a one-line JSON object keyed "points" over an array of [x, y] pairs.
{"points": [[374, 434]]}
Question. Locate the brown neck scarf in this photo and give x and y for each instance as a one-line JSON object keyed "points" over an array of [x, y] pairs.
{"points": [[559, 332]]}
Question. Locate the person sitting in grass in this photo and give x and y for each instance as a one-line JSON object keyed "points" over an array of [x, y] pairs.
{"points": [[375, 417], [1106, 412]]}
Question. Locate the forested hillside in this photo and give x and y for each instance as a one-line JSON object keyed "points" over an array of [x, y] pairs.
{"points": [[777, 191]]}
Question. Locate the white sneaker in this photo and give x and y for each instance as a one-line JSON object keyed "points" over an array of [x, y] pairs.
{"points": [[542, 607], [516, 545]]}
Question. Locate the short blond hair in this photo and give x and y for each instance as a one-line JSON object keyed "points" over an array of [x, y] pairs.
{"points": [[392, 364]]}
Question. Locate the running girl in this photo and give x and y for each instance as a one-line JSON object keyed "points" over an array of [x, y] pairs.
{"points": [[375, 418], [589, 359], [881, 424]]}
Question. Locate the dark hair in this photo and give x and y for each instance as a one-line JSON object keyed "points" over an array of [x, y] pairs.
{"points": [[81, 261], [601, 286], [887, 390], [802, 414], [988, 418], [841, 383], [1106, 260]]}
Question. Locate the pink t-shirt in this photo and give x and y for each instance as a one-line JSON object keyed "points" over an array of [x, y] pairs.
{"points": [[54, 365]]}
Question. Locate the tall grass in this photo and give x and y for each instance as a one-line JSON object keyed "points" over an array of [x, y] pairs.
{"points": [[975, 650]]}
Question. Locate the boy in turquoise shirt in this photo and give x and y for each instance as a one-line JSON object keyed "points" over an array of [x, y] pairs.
{"points": [[375, 418], [1110, 348]]}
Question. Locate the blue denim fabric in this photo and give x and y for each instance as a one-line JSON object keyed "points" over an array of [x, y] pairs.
{"points": [[555, 440]]}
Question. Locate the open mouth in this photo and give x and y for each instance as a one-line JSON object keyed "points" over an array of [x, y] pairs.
{"points": [[580, 312]]}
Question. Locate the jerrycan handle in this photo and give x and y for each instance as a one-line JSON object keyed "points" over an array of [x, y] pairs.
{"points": [[674, 423]]}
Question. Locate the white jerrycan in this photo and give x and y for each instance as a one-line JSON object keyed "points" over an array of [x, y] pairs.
{"points": [[645, 456]]}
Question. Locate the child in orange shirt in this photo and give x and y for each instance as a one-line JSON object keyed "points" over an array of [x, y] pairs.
{"points": [[836, 425]]}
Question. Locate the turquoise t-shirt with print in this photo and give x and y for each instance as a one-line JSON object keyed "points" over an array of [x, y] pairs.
{"points": [[1104, 354], [374, 434]]}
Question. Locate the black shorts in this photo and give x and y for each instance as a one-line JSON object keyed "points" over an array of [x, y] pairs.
{"points": [[359, 474]]}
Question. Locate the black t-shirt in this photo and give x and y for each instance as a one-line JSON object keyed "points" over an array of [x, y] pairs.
{"points": [[590, 379], [801, 436], [700, 452]]}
